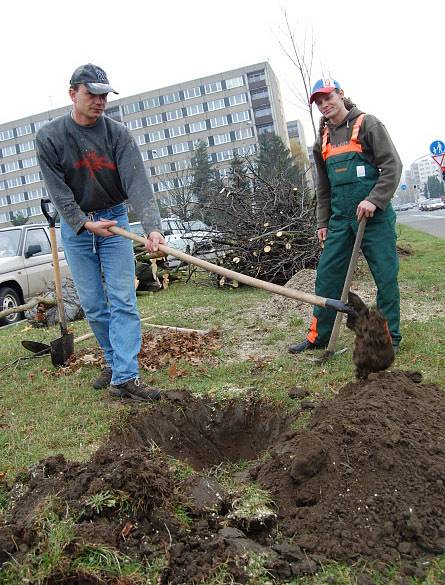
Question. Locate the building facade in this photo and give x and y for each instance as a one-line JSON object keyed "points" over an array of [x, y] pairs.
{"points": [[228, 111]]}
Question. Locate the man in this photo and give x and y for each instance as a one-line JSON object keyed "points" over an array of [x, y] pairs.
{"points": [[91, 165], [358, 171]]}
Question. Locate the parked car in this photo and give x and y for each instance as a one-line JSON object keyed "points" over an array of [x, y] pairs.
{"points": [[189, 237], [432, 204], [26, 265]]}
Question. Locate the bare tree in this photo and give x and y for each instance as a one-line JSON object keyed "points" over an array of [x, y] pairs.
{"points": [[302, 57]]}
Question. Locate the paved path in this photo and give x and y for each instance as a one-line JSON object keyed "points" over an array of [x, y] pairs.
{"points": [[431, 222]]}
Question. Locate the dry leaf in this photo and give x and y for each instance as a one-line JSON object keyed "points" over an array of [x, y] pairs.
{"points": [[127, 529], [267, 249], [279, 234]]}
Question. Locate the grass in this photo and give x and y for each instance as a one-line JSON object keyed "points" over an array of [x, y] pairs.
{"points": [[43, 414]]}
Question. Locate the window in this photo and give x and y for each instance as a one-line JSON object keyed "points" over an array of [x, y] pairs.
{"points": [[256, 76], [6, 134], [216, 105], [219, 121], [39, 124], [2, 185], [224, 155], [29, 162], [174, 114], [23, 130], [12, 166], [3, 201], [160, 152], [32, 178], [221, 138], [243, 133], [198, 126], [161, 169], [177, 131], [134, 124], [247, 150], [25, 146], [132, 108], [171, 98], [195, 109], [180, 147], [266, 128], [34, 211], [186, 182], [192, 92], [180, 165], [157, 135], [140, 139], [17, 198], [234, 82], [259, 94], [38, 237], [165, 185], [9, 150], [35, 193], [152, 102], [261, 112], [4, 217], [212, 87], [155, 119], [240, 116], [225, 172], [144, 155], [241, 98], [14, 182]]}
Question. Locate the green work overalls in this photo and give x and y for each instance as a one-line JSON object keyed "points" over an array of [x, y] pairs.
{"points": [[351, 179]]}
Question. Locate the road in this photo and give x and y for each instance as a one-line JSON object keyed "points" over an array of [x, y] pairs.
{"points": [[431, 222]]}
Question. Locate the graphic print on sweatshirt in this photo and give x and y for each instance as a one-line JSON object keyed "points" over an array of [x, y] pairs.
{"points": [[94, 162]]}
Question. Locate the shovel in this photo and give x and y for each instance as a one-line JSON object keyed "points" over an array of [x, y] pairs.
{"points": [[249, 280], [63, 347], [330, 350]]}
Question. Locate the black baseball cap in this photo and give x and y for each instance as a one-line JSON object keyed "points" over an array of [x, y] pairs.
{"points": [[93, 77]]}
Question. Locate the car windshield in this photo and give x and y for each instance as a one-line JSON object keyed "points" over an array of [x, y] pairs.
{"points": [[197, 225], [9, 243]]}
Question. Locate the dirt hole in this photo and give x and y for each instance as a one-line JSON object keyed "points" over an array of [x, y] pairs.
{"points": [[206, 433]]}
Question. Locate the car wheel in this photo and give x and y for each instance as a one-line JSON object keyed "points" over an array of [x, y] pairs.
{"points": [[9, 298]]}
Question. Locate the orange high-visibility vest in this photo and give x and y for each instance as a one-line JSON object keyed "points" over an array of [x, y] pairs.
{"points": [[327, 150]]}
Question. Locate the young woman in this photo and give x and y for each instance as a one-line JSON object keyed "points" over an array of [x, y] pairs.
{"points": [[358, 171]]}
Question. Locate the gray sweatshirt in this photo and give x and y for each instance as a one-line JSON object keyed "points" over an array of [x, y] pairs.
{"points": [[89, 168]]}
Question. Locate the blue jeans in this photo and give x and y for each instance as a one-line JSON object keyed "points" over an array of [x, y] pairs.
{"points": [[103, 271]]}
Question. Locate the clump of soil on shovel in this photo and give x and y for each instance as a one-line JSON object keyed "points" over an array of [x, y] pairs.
{"points": [[364, 480]]}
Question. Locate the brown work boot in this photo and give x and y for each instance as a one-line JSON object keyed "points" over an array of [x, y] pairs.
{"points": [[135, 389], [103, 380]]}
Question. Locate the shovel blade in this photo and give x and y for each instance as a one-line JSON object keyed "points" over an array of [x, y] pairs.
{"points": [[61, 349], [36, 347]]}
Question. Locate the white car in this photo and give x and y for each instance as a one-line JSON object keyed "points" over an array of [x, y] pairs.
{"points": [[26, 265]]}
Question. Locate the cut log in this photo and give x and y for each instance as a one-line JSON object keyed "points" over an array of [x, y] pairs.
{"points": [[27, 306]]}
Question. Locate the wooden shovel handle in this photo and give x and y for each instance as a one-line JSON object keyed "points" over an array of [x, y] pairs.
{"points": [[58, 280], [347, 285], [249, 280]]}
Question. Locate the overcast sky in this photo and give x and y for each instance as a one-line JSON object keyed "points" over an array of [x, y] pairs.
{"points": [[389, 59]]}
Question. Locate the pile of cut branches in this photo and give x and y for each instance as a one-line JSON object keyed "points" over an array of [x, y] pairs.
{"points": [[266, 228]]}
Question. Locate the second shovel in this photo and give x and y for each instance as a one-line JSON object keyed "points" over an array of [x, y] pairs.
{"points": [[62, 347]]}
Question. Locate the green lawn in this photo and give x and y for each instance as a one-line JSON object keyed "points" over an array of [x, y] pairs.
{"points": [[42, 414]]}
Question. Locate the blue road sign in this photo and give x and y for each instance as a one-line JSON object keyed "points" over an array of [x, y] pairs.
{"points": [[437, 147], [404, 187]]}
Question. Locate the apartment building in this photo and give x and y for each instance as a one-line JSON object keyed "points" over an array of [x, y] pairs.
{"points": [[228, 111]]}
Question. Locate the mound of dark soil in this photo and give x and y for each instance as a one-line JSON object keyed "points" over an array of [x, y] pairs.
{"points": [[365, 480]]}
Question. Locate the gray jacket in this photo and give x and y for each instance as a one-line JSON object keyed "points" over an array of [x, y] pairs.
{"points": [[89, 168]]}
